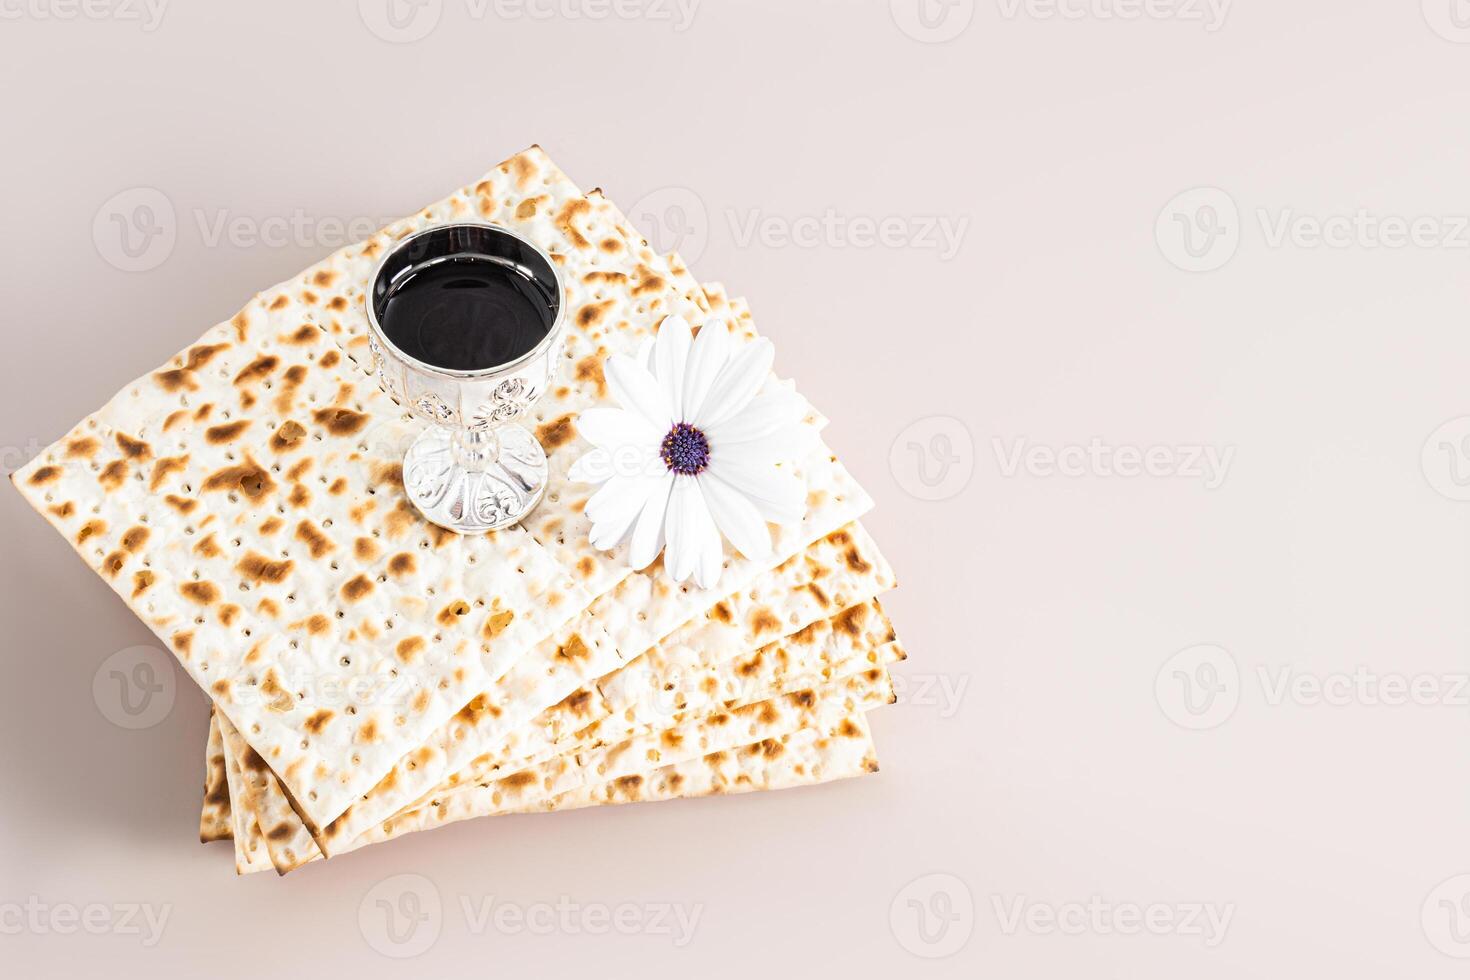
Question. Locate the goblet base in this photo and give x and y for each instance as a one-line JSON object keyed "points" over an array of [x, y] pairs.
{"points": [[473, 500]]}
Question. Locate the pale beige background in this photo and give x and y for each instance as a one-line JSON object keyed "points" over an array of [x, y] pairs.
{"points": [[1043, 758]]}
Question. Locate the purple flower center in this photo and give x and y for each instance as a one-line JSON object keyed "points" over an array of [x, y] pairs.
{"points": [[685, 450]]}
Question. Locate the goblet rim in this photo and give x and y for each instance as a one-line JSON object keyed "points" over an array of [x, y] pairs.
{"points": [[477, 374]]}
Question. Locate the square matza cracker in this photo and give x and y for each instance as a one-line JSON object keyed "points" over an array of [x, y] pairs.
{"points": [[244, 501], [235, 500], [618, 294]]}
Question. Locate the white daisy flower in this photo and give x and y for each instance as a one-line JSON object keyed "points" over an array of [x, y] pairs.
{"points": [[703, 447]]}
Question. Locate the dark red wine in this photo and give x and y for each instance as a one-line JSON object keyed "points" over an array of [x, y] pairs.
{"points": [[466, 312]]}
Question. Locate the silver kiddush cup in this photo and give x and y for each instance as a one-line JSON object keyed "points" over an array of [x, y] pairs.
{"points": [[472, 470]]}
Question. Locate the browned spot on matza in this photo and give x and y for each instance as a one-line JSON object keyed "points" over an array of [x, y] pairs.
{"points": [[450, 614], [257, 369], [287, 436], [176, 379], [590, 369], [142, 582], [497, 623], [248, 478], [258, 568], [91, 528], [356, 588], [166, 467], [181, 504], [226, 433], [277, 697], [410, 648], [557, 432], [573, 649], [573, 209], [203, 593], [305, 334], [592, 314], [114, 563], [341, 421], [111, 477], [85, 447]]}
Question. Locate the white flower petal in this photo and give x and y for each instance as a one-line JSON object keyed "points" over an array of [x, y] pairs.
{"points": [[779, 495], [610, 532], [614, 508], [614, 428], [736, 517], [711, 557], [619, 494], [786, 444], [670, 357], [737, 384], [645, 354], [768, 412], [635, 389], [648, 532], [707, 356], [678, 550], [593, 466], [690, 531]]}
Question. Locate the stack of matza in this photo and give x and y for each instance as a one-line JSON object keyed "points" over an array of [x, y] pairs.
{"points": [[373, 675]]}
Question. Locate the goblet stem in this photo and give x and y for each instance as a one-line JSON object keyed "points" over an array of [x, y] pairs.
{"points": [[475, 448]]}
